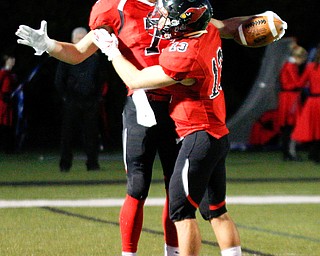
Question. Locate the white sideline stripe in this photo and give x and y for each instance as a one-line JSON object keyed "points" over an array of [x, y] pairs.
{"points": [[274, 200], [115, 202]]}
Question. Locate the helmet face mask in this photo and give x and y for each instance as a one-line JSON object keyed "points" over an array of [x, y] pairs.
{"points": [[179, 18]]}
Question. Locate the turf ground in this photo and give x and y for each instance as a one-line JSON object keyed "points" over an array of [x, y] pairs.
{"points": [[287, 226]]}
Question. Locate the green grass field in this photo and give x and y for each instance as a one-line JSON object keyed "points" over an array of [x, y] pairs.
{"points": [[265, 229]]}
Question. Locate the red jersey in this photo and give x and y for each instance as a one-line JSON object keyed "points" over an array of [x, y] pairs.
{"points": [[202, 105], [7, 86], [128, 20], [308, 122]]}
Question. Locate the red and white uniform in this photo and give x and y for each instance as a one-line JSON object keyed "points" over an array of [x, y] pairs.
{"points": [[199, 114], [128, 21], [308, 122], [141, 144], [289, 103], [202, 105]]}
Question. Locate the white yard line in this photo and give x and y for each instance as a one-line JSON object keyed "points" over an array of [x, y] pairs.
{"points": [[116, 202]]}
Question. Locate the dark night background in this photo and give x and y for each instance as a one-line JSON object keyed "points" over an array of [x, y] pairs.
{"points": [[240, 64]]}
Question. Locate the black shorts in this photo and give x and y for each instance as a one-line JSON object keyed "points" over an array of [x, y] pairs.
{"points": [[141, 144], [199, 178]]}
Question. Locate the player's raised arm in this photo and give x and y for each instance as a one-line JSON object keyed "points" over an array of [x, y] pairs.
{"points": [[254, 30], [228, 27], [64, 51]]}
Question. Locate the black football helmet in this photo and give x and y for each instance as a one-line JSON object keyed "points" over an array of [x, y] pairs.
{"points": [[180, 18]]}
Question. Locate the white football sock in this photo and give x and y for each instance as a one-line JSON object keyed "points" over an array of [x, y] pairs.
{"points": [[129, 254], [170, 250], [233, 251]]}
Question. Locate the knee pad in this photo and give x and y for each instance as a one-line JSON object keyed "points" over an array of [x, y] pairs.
{"points": [[138, 185]]}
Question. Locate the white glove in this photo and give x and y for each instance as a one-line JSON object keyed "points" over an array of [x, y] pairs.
{"points": [[107, 43], [271, 15], [37, 39]]}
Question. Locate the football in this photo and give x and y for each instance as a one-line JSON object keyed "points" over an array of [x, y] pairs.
{"points": [[260, 30]]}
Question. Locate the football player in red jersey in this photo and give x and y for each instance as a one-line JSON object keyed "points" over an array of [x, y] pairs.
{"points": [[141, 142], [190, 68], [125, 17]]}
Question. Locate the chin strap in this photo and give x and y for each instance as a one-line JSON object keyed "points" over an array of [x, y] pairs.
{"points": [[196, 34]]}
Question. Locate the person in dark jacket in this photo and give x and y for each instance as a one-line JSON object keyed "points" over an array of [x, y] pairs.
{"points": [[81, 92]]}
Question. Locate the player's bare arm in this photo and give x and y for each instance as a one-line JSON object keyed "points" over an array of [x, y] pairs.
{"points": [[148, 78], [249, 31], [74, 53], [228, 27], [152, 77], [64, 51]]}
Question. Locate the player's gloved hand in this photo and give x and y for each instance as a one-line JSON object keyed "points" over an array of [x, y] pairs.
{"points": [[37, 39], [107, 43], [271, 15]]}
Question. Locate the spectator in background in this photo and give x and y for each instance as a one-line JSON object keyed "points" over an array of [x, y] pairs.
{"points": [[289, 100], [8, 83], [307, 127], [81, 91]]}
